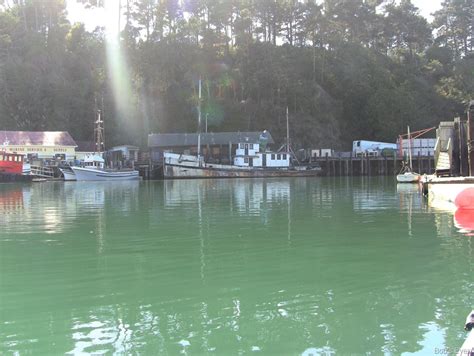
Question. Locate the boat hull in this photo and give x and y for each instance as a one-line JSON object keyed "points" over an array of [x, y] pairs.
{"points": [[84, 174], [68, 174], [408, 178], [182, 171], [458, 191]]}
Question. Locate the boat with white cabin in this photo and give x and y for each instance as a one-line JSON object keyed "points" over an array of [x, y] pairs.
{"points": [[91, 160], [94, 165], [248, 161], [94, 169]]}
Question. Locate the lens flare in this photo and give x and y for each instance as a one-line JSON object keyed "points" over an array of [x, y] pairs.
{"points": [[117, 66]]}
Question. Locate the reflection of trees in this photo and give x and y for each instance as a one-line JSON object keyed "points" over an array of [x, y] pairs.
{"points": [[225, 279]]}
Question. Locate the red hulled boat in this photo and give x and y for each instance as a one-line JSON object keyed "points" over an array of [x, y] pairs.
{"points": [[11, 163]]}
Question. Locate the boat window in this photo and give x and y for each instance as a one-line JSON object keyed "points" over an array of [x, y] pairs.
{"points": [[246, 160], [273, 156], [246, 145], [278, 156], [284, 156], [251, 146], [241, 145]]}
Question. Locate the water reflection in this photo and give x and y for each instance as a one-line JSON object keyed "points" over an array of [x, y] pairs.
{"points": [[451, 220], [291, 266]]}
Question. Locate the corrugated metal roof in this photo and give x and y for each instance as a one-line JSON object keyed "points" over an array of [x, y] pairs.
{"points": [[37, 138], [210, 138]]}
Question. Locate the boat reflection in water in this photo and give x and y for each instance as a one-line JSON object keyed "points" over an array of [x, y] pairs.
{"points": [[450, 216], [464, 221]]}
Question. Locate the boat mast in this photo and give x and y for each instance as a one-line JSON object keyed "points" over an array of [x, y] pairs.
{"points": [[287, 132], [199, 122], [99, 134], [409, 147]]}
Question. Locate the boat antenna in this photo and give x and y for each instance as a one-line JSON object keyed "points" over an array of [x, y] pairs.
{"points": [[288, 146], [199, 122]]}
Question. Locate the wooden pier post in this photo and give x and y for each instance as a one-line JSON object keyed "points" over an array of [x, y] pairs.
{"points": [[351, 166], [368, 165], [470, 137], [429, 162], [328, 167], [395, 166], [419, 162]]}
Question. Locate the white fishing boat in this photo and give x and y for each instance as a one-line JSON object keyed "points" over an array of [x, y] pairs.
{"points": [[91, 173], [94, 169], [91, 161], [407, 175], [94, 165]]}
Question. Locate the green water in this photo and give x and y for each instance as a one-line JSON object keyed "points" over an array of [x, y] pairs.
{"points": [[227, 267]]}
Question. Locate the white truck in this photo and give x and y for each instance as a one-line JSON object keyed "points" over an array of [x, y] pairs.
{"points": [[371, 148]]}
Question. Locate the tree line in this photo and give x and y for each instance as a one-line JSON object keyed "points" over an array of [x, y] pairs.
{"points": [[346, 69]]}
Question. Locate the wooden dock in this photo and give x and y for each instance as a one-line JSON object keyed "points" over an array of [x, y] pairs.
{"points": [[371, 165]]}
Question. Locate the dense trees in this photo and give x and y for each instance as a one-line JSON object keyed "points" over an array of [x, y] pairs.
{"points": [[345, 68]]}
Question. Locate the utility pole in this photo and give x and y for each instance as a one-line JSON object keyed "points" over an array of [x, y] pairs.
{"points": [[287, 132], [470, 137], [199, 122]]}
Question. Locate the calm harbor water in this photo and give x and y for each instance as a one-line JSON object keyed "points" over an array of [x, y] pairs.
{"points": [[226, 267]]}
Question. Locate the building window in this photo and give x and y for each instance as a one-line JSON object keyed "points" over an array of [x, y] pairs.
{"points": [[273, 156], [279, 156], [246, 160], [284, 156], [246, 145], [241, 145], [251, 146]]}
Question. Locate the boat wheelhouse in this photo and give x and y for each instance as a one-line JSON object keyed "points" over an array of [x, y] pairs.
{"points": [[249, 155]]}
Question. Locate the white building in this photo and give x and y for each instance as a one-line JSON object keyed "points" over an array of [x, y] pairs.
{"points": [[39, 144]]}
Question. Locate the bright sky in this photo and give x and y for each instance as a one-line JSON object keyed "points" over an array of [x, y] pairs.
{"points": [[100, 17], [427, 7]]}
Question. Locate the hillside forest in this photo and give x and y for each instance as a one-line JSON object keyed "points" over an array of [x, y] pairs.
{"points": [[346, 69]]}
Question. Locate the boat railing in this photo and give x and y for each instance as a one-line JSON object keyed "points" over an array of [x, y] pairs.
{"points": [[42, 171]]}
